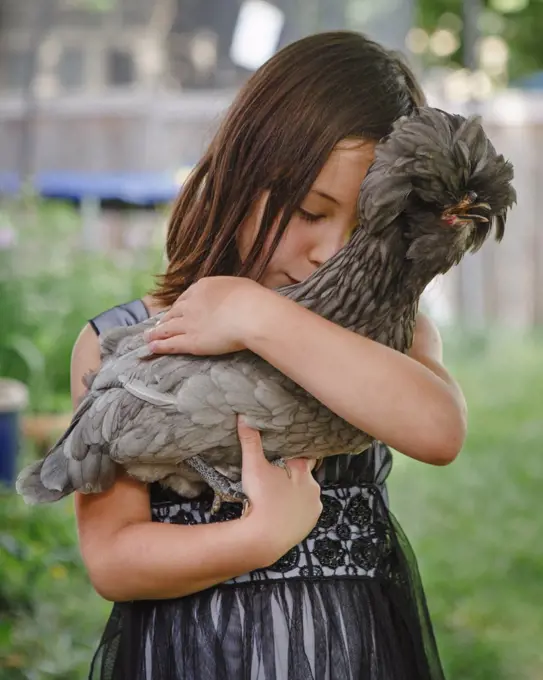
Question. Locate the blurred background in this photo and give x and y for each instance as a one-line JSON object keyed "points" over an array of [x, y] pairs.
{"points": [[105, 105]]}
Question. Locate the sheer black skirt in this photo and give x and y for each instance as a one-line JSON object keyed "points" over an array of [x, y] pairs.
{"points": [[347, 604]]}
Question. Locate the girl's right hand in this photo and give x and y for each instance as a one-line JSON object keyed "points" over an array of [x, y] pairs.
{"points": [[282, 510]]}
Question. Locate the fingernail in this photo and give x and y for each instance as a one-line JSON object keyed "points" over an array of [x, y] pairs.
{"points": [[153, 346]]}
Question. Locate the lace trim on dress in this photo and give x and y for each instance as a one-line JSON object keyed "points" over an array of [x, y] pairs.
{"points": [[351, 539]]}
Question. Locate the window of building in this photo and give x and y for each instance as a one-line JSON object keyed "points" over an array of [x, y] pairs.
{"points": [[120, 67], [17, 69], [70, 68]]}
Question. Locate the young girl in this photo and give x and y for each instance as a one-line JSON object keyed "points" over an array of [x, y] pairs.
{"points": [[315, 581]]}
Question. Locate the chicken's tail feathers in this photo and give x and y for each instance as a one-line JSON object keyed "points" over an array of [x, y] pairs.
{"points": [[57, 476], [84, 405], [67, 468], [31, 487]]}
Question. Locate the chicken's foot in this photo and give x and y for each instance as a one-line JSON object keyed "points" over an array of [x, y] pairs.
{"points": [[224, 489]]}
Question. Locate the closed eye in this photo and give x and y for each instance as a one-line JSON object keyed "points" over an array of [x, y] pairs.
{"points": [[309, 217]]}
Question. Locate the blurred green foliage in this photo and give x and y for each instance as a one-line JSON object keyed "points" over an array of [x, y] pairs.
{"points": [[50, 616], [49, 288], [475, 525], [517, 22]]}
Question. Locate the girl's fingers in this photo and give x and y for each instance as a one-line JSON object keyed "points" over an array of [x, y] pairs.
{"points": [[174, 312], [251, 447], [167, 329], [174, 345], [253, 452]]}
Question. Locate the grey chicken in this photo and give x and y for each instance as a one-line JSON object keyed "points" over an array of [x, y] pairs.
{"points": [[434, 192]]}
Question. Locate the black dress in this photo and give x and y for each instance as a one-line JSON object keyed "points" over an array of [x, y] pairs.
{"points": [[345, 604]]}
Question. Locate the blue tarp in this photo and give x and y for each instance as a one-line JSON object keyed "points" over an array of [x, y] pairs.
{"points": [[142, 188], [531, 82]]}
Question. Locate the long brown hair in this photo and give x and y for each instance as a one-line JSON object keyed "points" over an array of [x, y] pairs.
{"points": [[276, 136]]}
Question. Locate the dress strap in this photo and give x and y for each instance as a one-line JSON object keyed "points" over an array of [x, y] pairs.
{"points": [[128, 314]]}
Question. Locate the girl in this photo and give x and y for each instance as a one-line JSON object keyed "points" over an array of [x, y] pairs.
{"points": [[275, 594]]}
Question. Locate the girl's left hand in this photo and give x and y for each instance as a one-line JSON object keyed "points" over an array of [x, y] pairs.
{"points": [[211, 317]]}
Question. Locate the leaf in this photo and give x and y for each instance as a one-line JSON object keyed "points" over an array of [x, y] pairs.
{"points": [[27, 350]]}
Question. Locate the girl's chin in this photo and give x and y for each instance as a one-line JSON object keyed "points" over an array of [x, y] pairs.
{"points": [[274, 281]]}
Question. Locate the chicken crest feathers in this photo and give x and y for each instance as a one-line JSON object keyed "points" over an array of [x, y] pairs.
{"points": [[442, 161]]}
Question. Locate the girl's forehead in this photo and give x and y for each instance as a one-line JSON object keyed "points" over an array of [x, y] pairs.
{"points": [[346, 166]]}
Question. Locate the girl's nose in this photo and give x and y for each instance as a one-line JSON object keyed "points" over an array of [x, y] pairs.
{"points": [[326, 246]]}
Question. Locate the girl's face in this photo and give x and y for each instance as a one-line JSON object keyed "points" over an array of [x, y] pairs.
{"points": [[322, 224]]}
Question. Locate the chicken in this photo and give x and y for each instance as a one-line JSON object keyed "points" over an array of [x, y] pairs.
{"points": [[435, 191]]}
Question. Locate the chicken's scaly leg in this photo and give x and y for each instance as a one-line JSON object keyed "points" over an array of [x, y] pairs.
{"points": [[224, 489]]}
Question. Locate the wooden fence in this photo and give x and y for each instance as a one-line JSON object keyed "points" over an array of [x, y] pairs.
{"points": [[502, 284]]}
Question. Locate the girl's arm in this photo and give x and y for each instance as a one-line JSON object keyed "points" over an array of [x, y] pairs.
{"points": [[409, 402], [129, 557]]}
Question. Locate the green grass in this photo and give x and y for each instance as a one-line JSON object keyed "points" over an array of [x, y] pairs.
{"points": [[50, 618], [476, 525]]}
